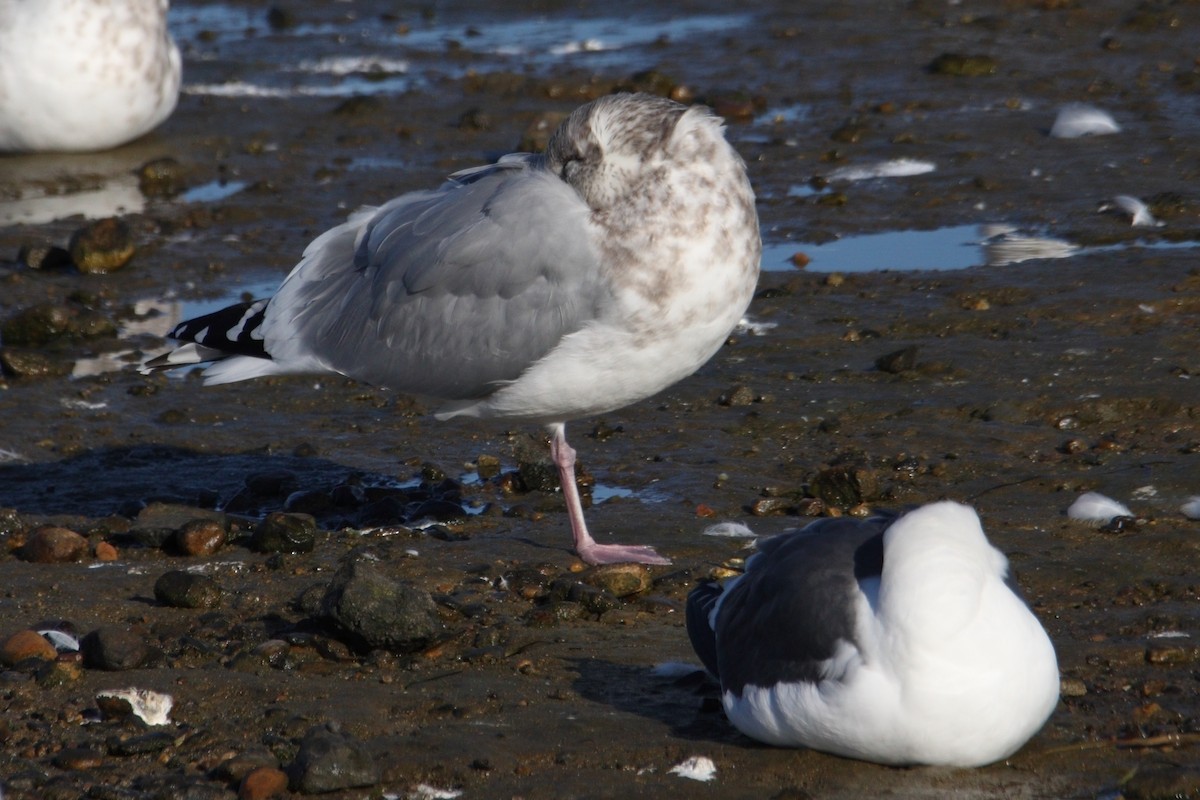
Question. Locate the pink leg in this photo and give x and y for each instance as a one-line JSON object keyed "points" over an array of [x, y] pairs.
{"points": [[563, 456]]}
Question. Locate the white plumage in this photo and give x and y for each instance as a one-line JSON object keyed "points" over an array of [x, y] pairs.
{"points": [[894, 640], [81, 75]]}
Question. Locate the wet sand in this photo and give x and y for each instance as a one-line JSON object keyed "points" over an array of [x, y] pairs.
{"points": [[1032, 382]]}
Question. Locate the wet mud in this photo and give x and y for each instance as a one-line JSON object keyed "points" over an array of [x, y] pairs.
{"points": [[1028, 384]]}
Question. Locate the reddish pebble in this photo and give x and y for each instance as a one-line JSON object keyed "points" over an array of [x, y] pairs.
{"points": [[261, 783], [200, 537], [51, 545], [106, 552], [26, 644]]}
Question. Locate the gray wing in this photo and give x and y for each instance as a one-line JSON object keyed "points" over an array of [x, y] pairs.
{"points": [[447, 293], [783, 619]]}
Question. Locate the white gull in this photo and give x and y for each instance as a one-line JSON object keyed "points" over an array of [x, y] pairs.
{"points": [[83, 75], [540, 288], [895, 640]]}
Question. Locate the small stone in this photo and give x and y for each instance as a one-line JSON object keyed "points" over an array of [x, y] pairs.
{"points": [[621, 580], [53, 545], [162, 177], [236, 768], [140, 745], [845, 486], [106, 552], [180, 589], [103, 246], [262, 783], [968, 66], [329, 761], [200, 537], [800, 260], [768, 506], [46, 257], [76, 758], [26, 644], [737, 396], [113, 647], [898, 361], [22, 363], [1072, 687], [378, 611], [1171, 654], [60, 673], [1162, 782], [283, 532]]}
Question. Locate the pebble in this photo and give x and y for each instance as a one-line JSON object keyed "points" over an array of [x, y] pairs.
{"points": [[329, 761], [378, 611], [26, 644], [112, 647], [284, 532], [263, 782], [102, 246], [1072, 687], [621, 580], [844, 486], [106, 552], [76, 758], [200, 537], [53, 545], [180, 589], [897, 361], [154, 742]]}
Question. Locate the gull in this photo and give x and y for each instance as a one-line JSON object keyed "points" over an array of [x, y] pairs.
{"points": [[897, 640], [84, 75], [541, 288]]}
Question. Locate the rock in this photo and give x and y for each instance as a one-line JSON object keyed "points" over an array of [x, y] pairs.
{"points": [[899, 361], [26, 644], [59, 673], [23, 363], [284, 532], [102, 246], [1165, 782], [162, 177], [53, 545], [75, 758], [844, 486], [620, 580], [737, 396], [592, 599], [236, 768], [43, 256], [329, 761], [140, 744], [263, 782], [180, 589], [200, 537], [968, 66], [106, 552], [377, 611], [113, 647]]}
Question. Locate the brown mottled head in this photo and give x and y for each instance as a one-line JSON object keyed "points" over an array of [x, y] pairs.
{"points": [[602, 146]]}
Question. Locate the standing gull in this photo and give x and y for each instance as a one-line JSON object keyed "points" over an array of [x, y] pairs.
{"points": [[541, 288], [899, 640], [82, 75]]}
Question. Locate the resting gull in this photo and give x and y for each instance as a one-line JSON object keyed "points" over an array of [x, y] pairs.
{"points": [[898, 640], [541, 288], [82, 75]]}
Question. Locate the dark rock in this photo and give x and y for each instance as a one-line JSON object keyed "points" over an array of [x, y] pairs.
{"points": [[162, 177], [591, 598], [102, 246], [968, 66], [141, 744], [378, 611], [1165, 782], [54, 545], [620, 580], [75, 758], [329, 761], [114, 648], [46, 257], [44, 323], [24, 363], [26, 644], [898, 361], [845, 486], [285, 533], [200, 537], [180, 589]]}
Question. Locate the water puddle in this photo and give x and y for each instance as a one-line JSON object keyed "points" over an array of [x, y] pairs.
{"points": [[954, 247], [404, 53], [113, 197], [212, 191]]}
